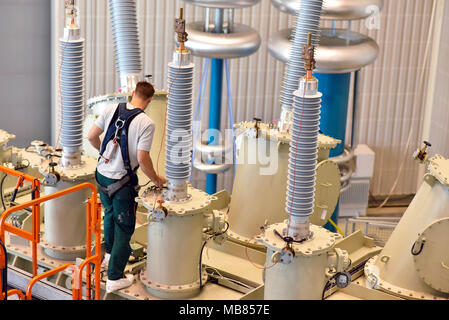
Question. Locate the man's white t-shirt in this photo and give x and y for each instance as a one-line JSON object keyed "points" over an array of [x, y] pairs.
{"points": [[140, 137]]}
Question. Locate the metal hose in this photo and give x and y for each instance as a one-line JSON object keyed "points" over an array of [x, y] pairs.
{"points": [[308, 21], [126, 39], [72, 90]]}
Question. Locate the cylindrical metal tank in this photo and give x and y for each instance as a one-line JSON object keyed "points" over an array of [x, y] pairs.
{"points": [[65, 217], [305, 277], [174, 246], [258, 194], [65, 222], [174, 263], [414, 263]]}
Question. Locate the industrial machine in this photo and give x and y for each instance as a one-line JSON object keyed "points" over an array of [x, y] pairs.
{"points": [[265, 240], [340, 53], [414, 262]]}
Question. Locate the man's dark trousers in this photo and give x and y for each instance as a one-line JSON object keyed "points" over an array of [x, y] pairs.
{"points": [[119, 225]]}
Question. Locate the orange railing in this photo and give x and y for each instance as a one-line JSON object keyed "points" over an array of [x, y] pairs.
{"points": [[16, 292], [93, 225]]}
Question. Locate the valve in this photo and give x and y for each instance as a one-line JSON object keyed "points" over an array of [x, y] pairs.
{"points": [[284, 256], [421, 154], [52, 177], [287, 254], [160, 213], [257, 126]]}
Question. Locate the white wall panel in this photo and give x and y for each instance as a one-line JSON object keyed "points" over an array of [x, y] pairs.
{"points": [[25, 70], [439, 127], [390, 97]]}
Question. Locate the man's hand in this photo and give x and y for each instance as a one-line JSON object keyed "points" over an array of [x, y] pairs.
{"points": [[161, 181], [146, 164]]}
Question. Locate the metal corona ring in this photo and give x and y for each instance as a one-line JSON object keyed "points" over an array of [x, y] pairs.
{"points": [[222, 39]]}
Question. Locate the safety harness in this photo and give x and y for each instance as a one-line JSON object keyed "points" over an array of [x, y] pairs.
{"points": [[118, 133]]}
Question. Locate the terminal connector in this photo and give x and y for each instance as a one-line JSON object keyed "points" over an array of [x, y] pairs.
{"points": [[422, 154], [180, 29], [308, 54], [71, 13]]}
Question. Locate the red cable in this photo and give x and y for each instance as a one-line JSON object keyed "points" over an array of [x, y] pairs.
{"points": [[247, 256]]}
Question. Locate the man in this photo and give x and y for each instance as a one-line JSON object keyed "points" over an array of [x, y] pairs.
{"points": [[125, 147]]}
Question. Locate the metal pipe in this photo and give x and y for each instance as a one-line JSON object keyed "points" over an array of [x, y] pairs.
{"points": [[216, 87], [230, 21], [218, 20], [206, 19], [354, 105], [335, 88]]}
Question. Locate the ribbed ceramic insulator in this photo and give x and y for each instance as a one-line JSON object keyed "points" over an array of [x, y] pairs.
{"points": [[308, 20], [72, 86], [303, 155], [179, 122], [126, 36]]}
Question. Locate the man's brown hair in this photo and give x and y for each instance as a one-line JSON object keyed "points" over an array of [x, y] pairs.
{"points": [[145, 90]]}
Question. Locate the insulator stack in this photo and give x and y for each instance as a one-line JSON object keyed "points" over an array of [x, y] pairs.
{"points": [[303, 156], [126, 41], [72, 92], [179, 125], [308, 21]]}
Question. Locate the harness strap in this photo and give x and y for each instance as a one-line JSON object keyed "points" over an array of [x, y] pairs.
{"points": [[120, 135]]}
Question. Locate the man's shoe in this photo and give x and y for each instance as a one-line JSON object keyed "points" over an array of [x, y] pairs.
{"points": [[114, 285], [104, 264]]}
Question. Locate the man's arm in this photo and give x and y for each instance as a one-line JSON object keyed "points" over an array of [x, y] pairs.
{"points": [[146, 164], [94, 137]]}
